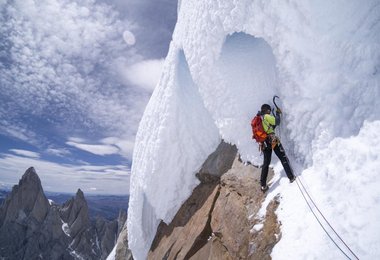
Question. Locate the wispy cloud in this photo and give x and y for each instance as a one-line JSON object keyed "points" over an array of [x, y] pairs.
{"points": [[105, 146], [58, 152], [25, 153], [110, 179], [98, 149], [156, 20], [62, 65], [64, 72], [144, 74], [70, 66], [125, 146], [16, 129]]}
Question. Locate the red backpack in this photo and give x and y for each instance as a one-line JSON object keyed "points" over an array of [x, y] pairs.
{"points": [[258, 132]]}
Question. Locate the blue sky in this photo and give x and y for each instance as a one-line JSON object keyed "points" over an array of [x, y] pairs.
{"points": [[75, 77]]}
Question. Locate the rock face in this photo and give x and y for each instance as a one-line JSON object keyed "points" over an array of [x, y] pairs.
{"points": [[217, 163], [107, 233], [74, 215], [31, 228], [22, 217], [217, 220], [122, 250]]}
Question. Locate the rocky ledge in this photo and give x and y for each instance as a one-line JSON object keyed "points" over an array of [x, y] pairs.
{"points": [[220, 219]]}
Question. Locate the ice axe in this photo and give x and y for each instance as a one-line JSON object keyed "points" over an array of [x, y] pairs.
{"points": [[274, 102]]}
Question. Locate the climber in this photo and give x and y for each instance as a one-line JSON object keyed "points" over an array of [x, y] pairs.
{"points": [[272, 142]]}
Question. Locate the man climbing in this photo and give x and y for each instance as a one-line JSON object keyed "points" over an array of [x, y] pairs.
{"points": [[272, 142]]}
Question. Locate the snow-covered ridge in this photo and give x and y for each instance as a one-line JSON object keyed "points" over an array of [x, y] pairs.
{"points": [[225, 60]]}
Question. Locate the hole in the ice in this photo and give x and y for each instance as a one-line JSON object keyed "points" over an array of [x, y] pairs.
{"points": [[249, 69]]}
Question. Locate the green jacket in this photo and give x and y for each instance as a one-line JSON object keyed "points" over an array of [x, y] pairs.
{"points": [[270, 122]]}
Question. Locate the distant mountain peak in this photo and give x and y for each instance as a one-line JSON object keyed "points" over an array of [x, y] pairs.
{"points": [[79, 194], [31, 228], [30, 177], [26, 197], [30, 170]]}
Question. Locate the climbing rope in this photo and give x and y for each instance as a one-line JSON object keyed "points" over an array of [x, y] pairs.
{"points": [[299, 184], [306, 194]]}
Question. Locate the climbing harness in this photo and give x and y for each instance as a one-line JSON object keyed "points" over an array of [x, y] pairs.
{"points": [[274, 141]]}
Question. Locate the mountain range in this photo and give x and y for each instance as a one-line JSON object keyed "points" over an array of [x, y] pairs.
{"points": [[33, 227]]}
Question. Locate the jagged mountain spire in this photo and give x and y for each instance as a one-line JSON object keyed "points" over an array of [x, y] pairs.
{"points": [[31, 228], [27, 200]]}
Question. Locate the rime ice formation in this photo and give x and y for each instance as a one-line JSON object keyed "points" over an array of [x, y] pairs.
{"points": [[226, 59]]}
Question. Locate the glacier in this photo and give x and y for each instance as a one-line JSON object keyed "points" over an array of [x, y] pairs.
{"points": [[226, 58]]}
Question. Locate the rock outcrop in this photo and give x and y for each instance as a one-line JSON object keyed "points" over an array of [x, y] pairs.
{"points": [[107, 235], [26, 200], [23, 216], [122, 251], [75, 213], [217, 221], [75, 218], [121, 221], [31, 228]]}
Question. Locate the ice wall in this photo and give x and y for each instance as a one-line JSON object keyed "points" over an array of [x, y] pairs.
{"points": [[225, 60]]}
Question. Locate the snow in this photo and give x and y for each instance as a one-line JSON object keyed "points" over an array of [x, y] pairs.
{"points": [[74, 254], [65, 228], [257, 227], [343, 184], [112, 255], [225, 60], [21, 215]]}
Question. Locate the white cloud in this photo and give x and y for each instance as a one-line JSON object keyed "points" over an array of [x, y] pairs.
{"points": [[98, 149], [17, 130], [126, 147], [60, 64], [57, 72], [58, 152], [105, 146], [107, 179], [77, 140], [59, 77], [144, 74], [25, 153]]}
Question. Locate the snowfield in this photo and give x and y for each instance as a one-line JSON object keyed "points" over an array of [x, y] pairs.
{"points": [[226, 59]]}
